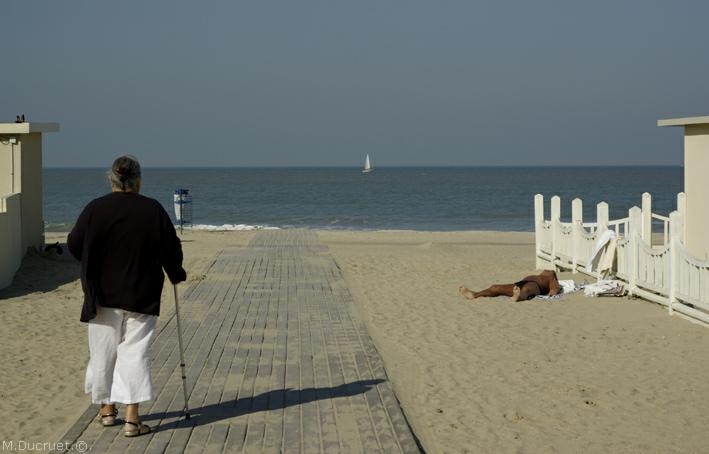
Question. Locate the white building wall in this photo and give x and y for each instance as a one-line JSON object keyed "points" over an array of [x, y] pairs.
{"points": [[21, 218], [696, 189], [11, 250]]}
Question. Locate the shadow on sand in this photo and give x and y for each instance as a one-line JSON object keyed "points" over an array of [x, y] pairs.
{"points": [[42, 273]]}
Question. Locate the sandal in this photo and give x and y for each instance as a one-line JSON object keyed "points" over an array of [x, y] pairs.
{"points": [[140, 429], [109, 419]]}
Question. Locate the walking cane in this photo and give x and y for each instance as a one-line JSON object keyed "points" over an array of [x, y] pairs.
{"points": [[182, 355]]}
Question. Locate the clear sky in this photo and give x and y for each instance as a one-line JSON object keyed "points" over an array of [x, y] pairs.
{"points": [[234, 83]]}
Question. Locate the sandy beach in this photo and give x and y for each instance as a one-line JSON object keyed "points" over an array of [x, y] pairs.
{"points": [[570, 375]]}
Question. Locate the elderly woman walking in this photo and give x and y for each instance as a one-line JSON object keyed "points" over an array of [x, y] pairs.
{"points": [[124, 241]]}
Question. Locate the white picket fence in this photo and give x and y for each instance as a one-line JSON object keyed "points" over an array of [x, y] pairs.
{"points": [[654, 264]]}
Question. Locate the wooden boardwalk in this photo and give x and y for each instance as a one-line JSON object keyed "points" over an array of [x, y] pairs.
{"points": [[276, 360]]}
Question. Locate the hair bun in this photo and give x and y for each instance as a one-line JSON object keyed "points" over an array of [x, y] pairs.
{"points": [[123, 173], [125, 169]]}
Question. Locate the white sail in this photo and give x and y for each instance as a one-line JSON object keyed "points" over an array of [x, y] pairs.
{"points": [[367, 165]]}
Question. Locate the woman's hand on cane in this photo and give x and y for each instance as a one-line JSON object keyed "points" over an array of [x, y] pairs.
{"points": [[177, 276]]}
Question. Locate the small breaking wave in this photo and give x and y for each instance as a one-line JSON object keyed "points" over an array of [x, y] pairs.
{"points": [[227, 227], [58, 227]]}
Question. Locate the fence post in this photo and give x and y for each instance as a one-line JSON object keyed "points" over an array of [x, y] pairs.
{"points": [[576, 226], [676, 229], [635, 222], [601, 218], [646, 231], [682, 208], [538, 224], [555, 219]]}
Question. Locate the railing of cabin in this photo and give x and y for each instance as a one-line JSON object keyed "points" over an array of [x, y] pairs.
{"points": [[666, 273]]}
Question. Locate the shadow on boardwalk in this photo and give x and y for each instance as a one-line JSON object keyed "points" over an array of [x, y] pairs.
{"points": [[271, 400]]}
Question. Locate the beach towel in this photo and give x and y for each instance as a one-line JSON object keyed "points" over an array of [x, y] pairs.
{"points": [[605, 287]]}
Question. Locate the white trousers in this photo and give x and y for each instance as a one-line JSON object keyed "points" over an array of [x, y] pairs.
{"points": [[119, 366]]}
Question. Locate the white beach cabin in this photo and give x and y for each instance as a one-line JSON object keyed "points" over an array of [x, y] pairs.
{"points": [[696, 182], [21, 220]]}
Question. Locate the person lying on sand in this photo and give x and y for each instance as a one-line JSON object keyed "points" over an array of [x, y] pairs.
{"points": [[545, 283]]}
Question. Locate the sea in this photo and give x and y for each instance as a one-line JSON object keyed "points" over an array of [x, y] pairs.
{"points": [[415, 198]]}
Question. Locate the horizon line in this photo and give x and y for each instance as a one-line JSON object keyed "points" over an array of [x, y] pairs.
{"points": [[378, 167]]}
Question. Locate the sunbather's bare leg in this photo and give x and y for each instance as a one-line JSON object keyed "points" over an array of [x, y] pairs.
{"points": [[493, 290], [515, 293], [497, 290]]}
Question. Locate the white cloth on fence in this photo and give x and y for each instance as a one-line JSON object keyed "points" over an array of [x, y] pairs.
{"points": [[119, 366], [604, 287], [601, 258]]}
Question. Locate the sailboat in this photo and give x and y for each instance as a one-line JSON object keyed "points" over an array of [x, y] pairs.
{"points": [[367, 165]]}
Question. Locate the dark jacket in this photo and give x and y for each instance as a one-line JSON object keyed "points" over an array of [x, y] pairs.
{"points": [[124, 241]]}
